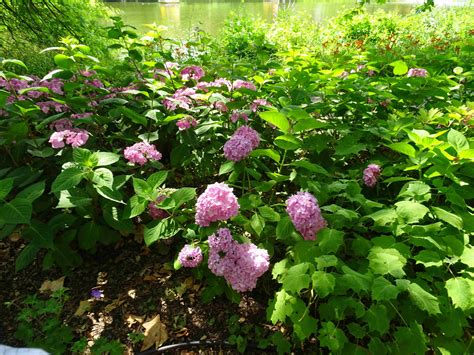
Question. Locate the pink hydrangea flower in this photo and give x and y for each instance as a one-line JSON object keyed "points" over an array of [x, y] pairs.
{"points": [[190, 256], [243, 84], [47, 105], [241, 144], [221, 106], [236, 115], [61, 125], [140, 153], [88, 73], [372, 174], [81, 115], [181, 98], [240, 264], [154, 211], [75, 137], [217, 203], [257, 103], [417, 72], [305, 214], [186, 123], [192, 72]]}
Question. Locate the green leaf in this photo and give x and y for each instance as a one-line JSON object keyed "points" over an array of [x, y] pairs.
{"points": [[287, 142], [308, 124], [428, 258], [383, 290], [164, 229], [399, 67], [183, 195], [330, 240], [384, 217], [135, 206], [424, 300], [411, 211], [332, 337], [457, 140], [103, 177], [106, 158], [448, 217], [226, 167], [323, 283], [284, 228], [297, 278], [89, 235], [314, 168], [142, 188], [386, 261], [14, 61], [467, 154], [257, 223], [155, 180], [17, 211], [40, 234], [277, 119], [377, 319], [461, 292], [63, 61], [403, 148], [109, 194], [6, 186], [270, 153], [283, 346], [411, 340], [134, 116], [67, 179], [355, 280], [279, 308], [26, 256], [269, 214], [325, 261], [33, 192]]}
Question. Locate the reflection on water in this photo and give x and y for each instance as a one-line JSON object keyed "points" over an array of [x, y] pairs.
{"points": [[210, 15]]}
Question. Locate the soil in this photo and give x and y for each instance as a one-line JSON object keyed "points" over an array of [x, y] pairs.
{"points": [[138, 284]]}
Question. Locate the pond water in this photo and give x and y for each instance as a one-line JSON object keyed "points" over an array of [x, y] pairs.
{"points": [[209, 15]]}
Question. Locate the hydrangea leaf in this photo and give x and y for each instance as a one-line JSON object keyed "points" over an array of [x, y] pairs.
{"points": [[355, 280], [461, 292], [411, 340], [377, 319], [411, 211], [323, 283], [448, 217], [428, 258], [5, 187], [330, 240], [17, 211], [384, 261], [297, 278], [383, 290], [67, 179], [277, 119], [332, 337]]}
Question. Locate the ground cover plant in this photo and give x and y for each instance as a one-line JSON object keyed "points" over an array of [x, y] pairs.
{"points": [[333, 180]]}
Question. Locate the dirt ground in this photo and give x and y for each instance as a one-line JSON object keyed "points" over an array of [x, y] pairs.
{"points": [[138, 284]]}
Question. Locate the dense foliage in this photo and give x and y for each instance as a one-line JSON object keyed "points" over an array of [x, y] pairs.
{"points": [[345, 167]]}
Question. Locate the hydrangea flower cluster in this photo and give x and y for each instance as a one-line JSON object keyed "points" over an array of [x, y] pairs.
{"points": [[371, 175], [417, 72], [305, 214], [61, 125], [186, 123], [221, 106], [241, 144], [192, 72], [257, 103], [218, 83], [154, 211], [240, 264], [181, 98], [46, 106], [217, 203], [190, 256], [243, 84], [75, 137], [140, 153], [237, 115]]}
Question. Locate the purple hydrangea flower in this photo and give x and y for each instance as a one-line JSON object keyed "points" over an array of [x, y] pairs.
{"points": [[305, 214], [75, 137], [186, 123], [193, 72], [236, 115], [217, 203], [140, 153], [372, 174], [190, 256], [417, 72], [154, 211], [257, 103], [241, 144], [243, 84]]}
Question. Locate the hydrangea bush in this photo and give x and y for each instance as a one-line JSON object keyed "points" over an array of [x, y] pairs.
{"points": [[268, 179]]}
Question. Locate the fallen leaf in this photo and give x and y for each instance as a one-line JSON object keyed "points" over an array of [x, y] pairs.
{"points": [[132, 319], [84, 306], [155, 333], [115, 303], [52, 286]]}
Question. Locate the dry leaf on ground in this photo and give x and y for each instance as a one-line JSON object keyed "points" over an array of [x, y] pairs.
{"points": [[155, 333], [52, 286], [84, 306]]}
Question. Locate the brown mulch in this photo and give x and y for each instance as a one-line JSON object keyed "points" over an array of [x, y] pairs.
{"points": [[137, 283]]}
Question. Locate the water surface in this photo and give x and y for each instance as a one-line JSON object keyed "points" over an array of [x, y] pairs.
{"points": [[210, 15]]}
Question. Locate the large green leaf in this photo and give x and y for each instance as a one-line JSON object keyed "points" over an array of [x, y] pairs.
{"points": [[411, 340], [384, 261], [411, 211], [383, 290], [32, 192], [403, 148], [89, 235], [284, 228], [448, 217], [461, 292], [424, 300], [399, 67], [163, 229], [457, 140], [308, 124], [103, 177], [287, 142], [377, 318], [297, 278], [330, 240], [323, 283], [67, 179], [135, 117], [332, 337], [17, 211], [26, 256], [5, 187], [183, 195], [277, 119], [106, 158]]}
